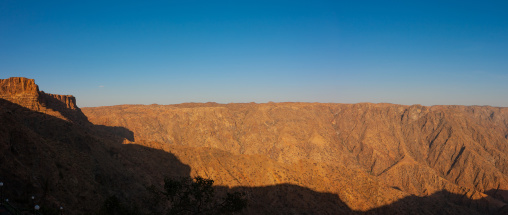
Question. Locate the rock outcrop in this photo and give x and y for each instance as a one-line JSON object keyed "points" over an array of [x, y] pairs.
{"points": [[21, 91], [25, 92], [66, 101], [49, 149]]}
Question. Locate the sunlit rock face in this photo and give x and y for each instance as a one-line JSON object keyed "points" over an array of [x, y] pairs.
{"points": [[368, 154], [21, 91], [24, 92]]}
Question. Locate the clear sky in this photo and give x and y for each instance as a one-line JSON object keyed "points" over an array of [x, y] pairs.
{"points": [[168, 52]]}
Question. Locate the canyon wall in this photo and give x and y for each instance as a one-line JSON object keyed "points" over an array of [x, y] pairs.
{"points": [[415, 149], [289, 158]]}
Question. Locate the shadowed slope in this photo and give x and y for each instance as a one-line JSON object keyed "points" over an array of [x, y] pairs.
{"points": [[73, 165], [76, 166]]}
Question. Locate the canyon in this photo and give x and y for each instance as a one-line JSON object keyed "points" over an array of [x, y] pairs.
{"points": [[289, 158]]}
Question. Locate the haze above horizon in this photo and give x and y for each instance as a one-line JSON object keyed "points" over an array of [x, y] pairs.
{"points": [[168, 52]]}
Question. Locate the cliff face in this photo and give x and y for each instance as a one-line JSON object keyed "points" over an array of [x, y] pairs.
{"points": [[66, 101], [25, 92], [21, 91]]}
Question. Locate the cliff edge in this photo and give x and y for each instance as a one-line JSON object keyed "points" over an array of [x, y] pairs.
{"points": [[24, 92]]}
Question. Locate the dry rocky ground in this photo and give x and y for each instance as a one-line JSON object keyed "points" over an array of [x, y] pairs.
{"points": [[290, 158]]}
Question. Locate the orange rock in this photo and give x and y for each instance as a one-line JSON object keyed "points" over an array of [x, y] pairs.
{"points": [[290, 158]]}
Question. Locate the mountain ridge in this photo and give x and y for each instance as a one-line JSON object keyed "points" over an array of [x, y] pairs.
{"points": [[289, 158], [447, 147]]}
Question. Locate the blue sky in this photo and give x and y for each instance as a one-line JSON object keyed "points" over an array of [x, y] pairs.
{"points": [[168, 52]]}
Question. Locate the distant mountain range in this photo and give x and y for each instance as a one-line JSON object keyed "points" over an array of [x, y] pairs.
{"points": [[290, 158]]}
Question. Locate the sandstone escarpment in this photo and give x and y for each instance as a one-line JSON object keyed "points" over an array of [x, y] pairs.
{"points": [[25, 92], [65, 101], [21, 91]]}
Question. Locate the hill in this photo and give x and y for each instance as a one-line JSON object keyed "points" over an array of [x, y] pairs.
{"points": [[290, 158], [394, 150]]}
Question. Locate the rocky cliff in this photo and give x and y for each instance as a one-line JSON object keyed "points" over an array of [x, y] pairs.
{"points": [[50, 150], [21, 91], [24, 92]]}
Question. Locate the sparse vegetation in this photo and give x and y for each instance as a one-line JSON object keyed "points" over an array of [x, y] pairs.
{"points": [[187, 195]]}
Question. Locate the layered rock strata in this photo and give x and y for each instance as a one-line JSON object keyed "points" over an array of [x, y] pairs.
{"points": [[25, 92]]}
